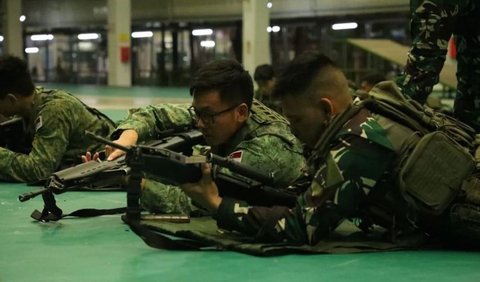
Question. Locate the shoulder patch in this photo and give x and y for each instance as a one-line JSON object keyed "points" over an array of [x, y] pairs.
{"points": [[38, 123], [236, 156]]}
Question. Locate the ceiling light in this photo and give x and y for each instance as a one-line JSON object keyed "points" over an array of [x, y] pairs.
{"points": [[41, 37], [88, 36], [207, 43], [142, 34], [342, 26], [202, 32], [31, 50]]}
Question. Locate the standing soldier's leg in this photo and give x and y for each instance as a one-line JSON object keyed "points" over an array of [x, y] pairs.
{"points": [[431, 27], [467, 100]]}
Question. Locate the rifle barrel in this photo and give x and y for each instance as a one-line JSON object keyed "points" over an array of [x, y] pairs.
{"points": [[241, 169], [32, 194]]}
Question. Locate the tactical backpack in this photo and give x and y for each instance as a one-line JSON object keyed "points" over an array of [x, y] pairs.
{"points": [[431, 166]]}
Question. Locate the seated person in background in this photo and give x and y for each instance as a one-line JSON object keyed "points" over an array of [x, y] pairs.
{"points": [[358, 161], [368, 81], [264, 76], [233, 124], [54, 119], [366, 84]]}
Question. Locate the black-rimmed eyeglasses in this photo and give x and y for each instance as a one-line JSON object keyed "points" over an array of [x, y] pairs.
{"points": [[207, 117]]}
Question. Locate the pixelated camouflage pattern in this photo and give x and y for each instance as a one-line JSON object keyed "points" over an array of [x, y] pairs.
{"points": [[433, 22], [59, 140], [265, 140], [360, 160], [151, 121]]}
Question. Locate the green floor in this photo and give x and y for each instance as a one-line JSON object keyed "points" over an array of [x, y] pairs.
{"points": [[104, 249]]}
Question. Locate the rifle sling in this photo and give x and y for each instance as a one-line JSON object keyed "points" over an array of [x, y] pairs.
{"points": [[51, 212]]}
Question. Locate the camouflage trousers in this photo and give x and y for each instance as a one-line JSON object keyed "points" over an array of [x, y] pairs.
{"points": [[432, 24], [165, 199]]}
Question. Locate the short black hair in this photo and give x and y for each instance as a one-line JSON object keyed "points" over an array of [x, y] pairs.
{"points": [[373, 78], [15, 77], [264, 72], [226, 76], [297, 76]]}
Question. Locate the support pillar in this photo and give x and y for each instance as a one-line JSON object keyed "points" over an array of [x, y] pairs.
{"points": [[119, 46], [256, 43], [12, 28]]}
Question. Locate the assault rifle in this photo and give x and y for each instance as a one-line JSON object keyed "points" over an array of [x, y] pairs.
{"points": [[13, 136], [170, 162], [176, 168], [99, 174], [93, 175]]}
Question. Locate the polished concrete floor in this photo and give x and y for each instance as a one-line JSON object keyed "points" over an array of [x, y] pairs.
{"points": [[104, 249]]}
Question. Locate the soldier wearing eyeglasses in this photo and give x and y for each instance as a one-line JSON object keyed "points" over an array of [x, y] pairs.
{"points": [[232, 122]]}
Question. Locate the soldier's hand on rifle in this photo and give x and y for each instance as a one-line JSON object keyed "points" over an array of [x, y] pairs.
{"points": [[205, 191], [128, 138], [89, 157]]}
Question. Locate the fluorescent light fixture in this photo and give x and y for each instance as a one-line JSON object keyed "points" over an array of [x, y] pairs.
{"points": [[342, 26], [88, 36], [1, 38], [202, 32], [274, 28], [22, 18], [31, 50], [41, 37], [207, 43], [269, 5], [142, 34]]}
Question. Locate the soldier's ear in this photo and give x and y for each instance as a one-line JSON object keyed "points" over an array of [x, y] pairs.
{"points": [[11, 98], [326, 106], [242, 111]]}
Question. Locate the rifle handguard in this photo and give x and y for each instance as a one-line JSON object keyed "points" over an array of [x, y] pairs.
{"points": [[82, 174]]}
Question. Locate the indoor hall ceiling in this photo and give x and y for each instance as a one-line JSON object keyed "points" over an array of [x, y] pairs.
{"points": [[47, 14]]}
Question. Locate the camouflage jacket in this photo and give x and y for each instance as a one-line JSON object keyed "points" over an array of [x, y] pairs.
{"points": [[264, 142], [58, 123], [360, 159]]}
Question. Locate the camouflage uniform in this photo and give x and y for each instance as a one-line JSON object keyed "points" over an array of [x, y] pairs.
{"points": [[432, 24], [58, 123], [265, 143], [359, 161]]}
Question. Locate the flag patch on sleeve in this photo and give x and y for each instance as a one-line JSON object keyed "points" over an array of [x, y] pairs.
{"points": [[236, 156]]}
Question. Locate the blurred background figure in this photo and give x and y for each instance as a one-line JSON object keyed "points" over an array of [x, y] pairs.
{"points": [[368, 81], [264, 77], [366, 84]]}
